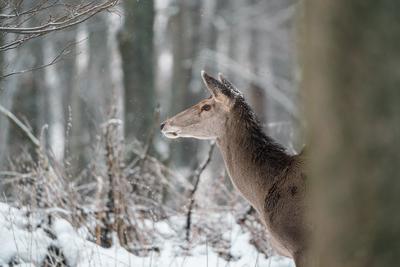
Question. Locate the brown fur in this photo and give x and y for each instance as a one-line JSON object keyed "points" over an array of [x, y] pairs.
{"points": [[269, 178]]}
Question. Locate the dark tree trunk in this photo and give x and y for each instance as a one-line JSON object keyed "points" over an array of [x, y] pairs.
{"points": [[352, 92], [136, 46], [185, 29]]}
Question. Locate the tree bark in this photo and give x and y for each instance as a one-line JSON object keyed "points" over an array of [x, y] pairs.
{"points": [[352, 95], [136, 46], [184, 27]]}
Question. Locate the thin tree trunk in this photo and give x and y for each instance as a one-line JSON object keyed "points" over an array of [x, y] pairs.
{"points": [[79, 136], [54, 102], [352, 92]]}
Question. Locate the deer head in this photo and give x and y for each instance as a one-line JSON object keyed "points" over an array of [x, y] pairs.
{"points": [[206, 119]]}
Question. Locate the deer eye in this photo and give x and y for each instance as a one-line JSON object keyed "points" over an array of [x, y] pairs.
{"points": [[206, 107]]}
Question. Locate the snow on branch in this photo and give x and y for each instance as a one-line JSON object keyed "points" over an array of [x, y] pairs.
{"points": [[16, 22]]}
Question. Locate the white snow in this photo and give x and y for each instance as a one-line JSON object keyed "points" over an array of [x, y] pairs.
{"points": [[30, 246]]}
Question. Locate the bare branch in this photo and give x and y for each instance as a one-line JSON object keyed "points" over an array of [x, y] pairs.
{"points": [[18, 42], [196, 177], [20, 124], [72, 17], [55, 60], [156, 119], [79, 16]]}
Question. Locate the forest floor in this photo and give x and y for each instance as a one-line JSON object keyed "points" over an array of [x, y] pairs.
{"points": [[25, 243]]}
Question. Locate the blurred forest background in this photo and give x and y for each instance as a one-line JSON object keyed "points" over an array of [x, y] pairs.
{"points": [[140, 54], [87, 83]]}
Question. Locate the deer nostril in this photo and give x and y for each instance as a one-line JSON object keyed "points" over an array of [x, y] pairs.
{"points": [[162, 125]]}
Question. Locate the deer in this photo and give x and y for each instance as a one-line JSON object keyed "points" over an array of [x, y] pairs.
{"points": [[269, 178]]}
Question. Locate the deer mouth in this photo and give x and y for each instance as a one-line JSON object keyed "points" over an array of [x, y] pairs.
{"points": [[170, 131], [171, 134]]}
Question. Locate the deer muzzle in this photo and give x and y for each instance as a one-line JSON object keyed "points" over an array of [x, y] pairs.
{"points": [[169, 131]]}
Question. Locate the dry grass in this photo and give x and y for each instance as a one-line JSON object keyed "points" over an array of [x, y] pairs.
{"points": [[121, 191]]}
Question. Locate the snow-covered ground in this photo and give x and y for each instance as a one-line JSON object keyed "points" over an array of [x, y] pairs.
{"points": [[28, 247]]}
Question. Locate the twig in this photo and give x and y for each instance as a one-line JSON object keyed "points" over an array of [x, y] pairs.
{"points": [[196, 177], [156, 118], [243, 217], [20, 124], [61, 23], [76, 15], [55, 60], [37, 8], [143, 156]]}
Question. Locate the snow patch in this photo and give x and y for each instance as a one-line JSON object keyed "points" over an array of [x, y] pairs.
{"points": [[29, 246]]}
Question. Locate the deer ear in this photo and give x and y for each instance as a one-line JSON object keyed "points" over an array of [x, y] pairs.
{"points": [[218, 90], [229, 85], [213, 85], [217, 87]]}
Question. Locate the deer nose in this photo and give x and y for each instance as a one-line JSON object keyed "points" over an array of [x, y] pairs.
{"points": [[162, 125]]}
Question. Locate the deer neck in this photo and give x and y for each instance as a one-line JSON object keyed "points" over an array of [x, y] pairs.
{"points": [[253, 160]]}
